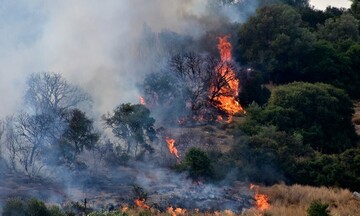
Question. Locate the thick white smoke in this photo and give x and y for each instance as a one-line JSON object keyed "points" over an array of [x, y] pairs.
{"points": [[92, 43]]}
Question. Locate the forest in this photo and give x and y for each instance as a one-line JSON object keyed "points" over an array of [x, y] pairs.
{"points": [[271, 102]]}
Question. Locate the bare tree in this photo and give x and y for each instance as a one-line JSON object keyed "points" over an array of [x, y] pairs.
{"points": [[38, 128], [193, 71], [26, 136], [51, 93]]}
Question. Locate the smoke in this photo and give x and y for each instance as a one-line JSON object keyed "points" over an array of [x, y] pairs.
{"points": [[105, 47], [95, 45]]}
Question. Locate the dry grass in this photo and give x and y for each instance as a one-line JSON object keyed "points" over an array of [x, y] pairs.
{"points": [[294, 200], [356, 119]]}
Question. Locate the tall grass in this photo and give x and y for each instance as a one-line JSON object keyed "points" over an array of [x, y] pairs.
{"points": [[294, 200]]}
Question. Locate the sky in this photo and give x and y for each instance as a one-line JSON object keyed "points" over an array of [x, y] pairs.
{"points": [[322, 4]]}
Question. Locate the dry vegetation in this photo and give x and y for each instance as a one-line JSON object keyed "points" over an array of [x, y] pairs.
{"points": [[285, 201], [294, 200], [356, 117]]}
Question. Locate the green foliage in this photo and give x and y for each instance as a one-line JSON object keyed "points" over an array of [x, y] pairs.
{"points": [[251, 89], [36, 208], [31, 207], [105, 213], [317, 208], [346, 27], [305, 132], [198, 163], [133, 124], [355, 8], [319, 112], [14, 207], [79, 135], [275, 42], [55, 211]]}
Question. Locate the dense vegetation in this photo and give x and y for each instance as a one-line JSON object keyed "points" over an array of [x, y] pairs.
{"points": [[299, 72]]}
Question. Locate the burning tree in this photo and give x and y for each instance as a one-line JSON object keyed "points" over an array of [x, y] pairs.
{"points": [[197, 84], [225, 86], [132, 124]]}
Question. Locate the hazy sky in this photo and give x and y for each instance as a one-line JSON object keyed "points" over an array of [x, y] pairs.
{"points": [[322, 4]]}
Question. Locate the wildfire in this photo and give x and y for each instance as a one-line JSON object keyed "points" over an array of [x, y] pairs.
{"points": [[142, 101], [141, 203], [227, 99], [176, 211], [262, 200], [171, 145]]}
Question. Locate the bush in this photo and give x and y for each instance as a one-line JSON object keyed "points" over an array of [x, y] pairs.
{"points": [[198, 163], [317, 208], [14, 207], [36, 208], [32, 207], [55, 211]]}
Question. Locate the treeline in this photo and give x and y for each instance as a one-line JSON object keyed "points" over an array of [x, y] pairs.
{"points": [[304, 132]]}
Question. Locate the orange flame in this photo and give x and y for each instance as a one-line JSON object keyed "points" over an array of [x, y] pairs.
{"points": [[124, 209], [176, 211], [227, 99], [262, 200], [141, 203], [171, 145], [142, 101]]}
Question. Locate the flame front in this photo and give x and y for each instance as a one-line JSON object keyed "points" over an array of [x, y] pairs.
{"points": [[228, 94], [171, 145], [262, 200], [141, 203]]}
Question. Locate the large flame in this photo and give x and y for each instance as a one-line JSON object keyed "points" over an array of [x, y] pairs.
{"points": [[262, 200], [171, 145], [227, 97], [141, 203]]}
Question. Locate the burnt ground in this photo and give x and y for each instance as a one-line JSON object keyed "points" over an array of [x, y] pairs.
{"points": [[163, 188], [107, 187]]}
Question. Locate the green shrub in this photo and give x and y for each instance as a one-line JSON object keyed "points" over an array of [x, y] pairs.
{"points": [[198, 163], [55, 211], [36, 208], [14, 207], [317, 208]]}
